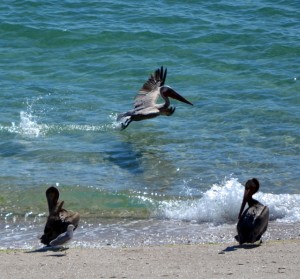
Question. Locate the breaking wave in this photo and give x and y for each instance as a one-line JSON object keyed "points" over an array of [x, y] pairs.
{"points": [[221, 204]]}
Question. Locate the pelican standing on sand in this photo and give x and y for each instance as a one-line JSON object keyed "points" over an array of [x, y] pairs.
{"points": [[145, 106], [254, 221], [60, 222]]}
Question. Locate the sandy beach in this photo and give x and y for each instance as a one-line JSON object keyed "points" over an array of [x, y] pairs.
{"points": [[272, 259]]}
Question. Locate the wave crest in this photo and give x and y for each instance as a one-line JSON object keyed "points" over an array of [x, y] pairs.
{"points": [[221, 204]]}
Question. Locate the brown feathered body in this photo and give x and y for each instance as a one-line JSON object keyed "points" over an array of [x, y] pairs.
{"points": [[145, 104], [253, 222], [58, 218]]}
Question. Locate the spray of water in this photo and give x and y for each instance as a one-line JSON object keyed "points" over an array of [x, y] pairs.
{"points": [[221, 203], [29, 124]]}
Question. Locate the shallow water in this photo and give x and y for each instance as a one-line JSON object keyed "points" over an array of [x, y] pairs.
{"points": [[68, 68]]}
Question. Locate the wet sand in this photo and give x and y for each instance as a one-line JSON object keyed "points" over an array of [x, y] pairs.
{"points": [[272, 259]]}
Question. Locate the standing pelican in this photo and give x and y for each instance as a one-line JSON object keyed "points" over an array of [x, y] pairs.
{"points": [[59, 220], [145, 105], [254, 221]]}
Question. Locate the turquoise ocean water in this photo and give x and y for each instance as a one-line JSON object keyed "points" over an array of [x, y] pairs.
{"points": [[68, 67]]}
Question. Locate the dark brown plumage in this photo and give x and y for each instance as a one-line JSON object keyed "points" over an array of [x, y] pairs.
{"points": [[59, 218], [253, 222]]}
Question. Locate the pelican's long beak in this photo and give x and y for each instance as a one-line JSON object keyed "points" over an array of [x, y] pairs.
{"points": [[245, 198], [173, 94]]}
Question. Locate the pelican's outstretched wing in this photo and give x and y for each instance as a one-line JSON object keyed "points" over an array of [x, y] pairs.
{"points": [[149, 93]]}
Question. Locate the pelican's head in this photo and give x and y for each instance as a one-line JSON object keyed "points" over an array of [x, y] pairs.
{"points": [[70, 228], [251, 187], [167, 91]]}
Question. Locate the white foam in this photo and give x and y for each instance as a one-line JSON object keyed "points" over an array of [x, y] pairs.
{"points": [[116, 125], [29, 126], [221, 204]]}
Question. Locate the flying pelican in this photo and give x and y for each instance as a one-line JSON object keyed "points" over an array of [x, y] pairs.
{"points": [[254, 221], [64, 237], [59, 219], [145, 106]]}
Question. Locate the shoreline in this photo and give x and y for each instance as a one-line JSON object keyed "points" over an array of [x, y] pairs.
{"points": [[272, 259], [139, 234]]}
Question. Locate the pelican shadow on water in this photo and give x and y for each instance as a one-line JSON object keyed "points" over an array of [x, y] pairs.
{"points": [[145, 106], [60, 222], [253, 222]]}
